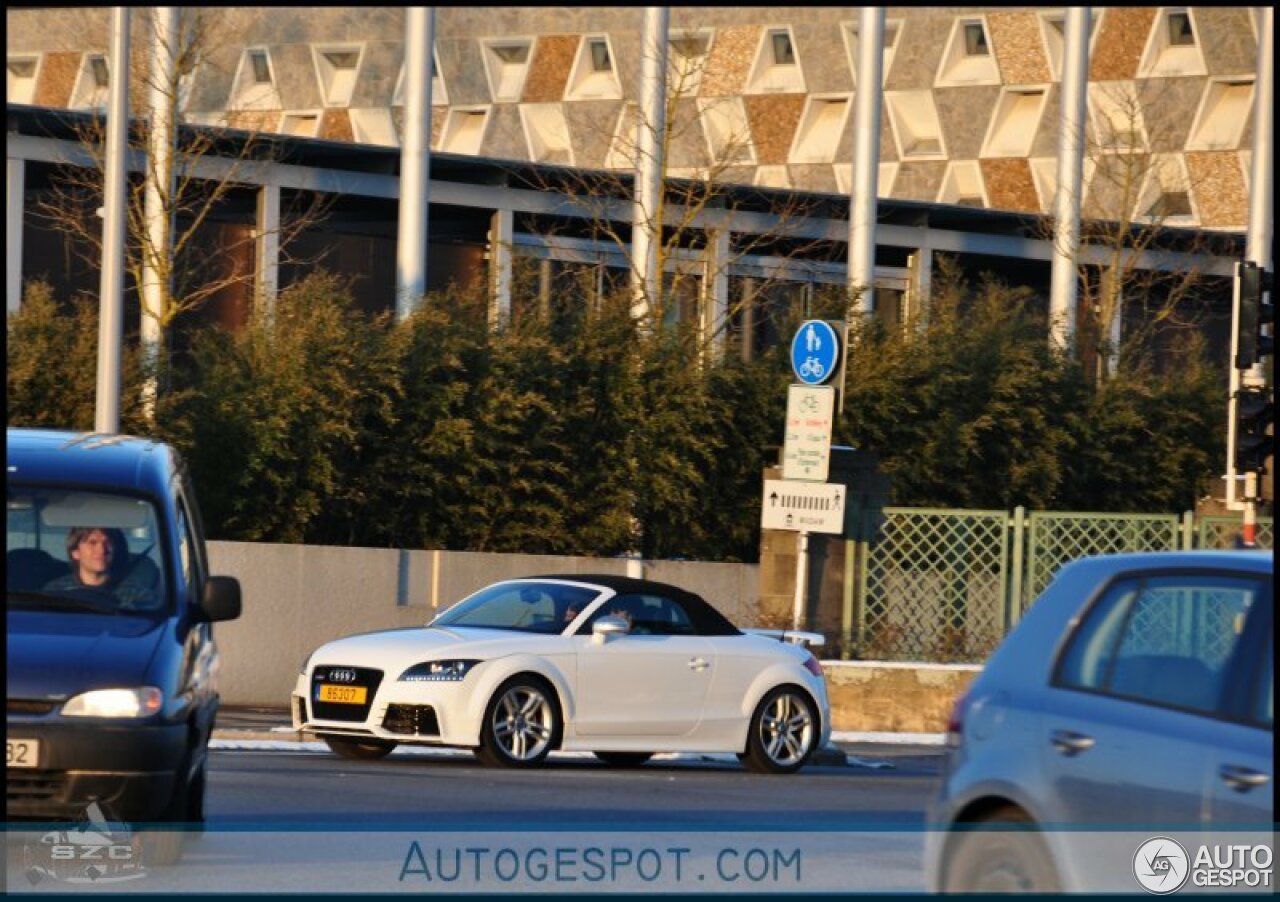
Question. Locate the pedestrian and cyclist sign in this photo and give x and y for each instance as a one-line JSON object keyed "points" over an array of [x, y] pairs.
{"points": [[815, 352]]}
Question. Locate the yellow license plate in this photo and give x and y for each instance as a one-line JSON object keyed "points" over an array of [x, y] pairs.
{"points": [[343, 695]]}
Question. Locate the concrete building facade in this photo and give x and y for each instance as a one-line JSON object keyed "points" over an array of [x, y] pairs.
{"points": [[759, 95]]}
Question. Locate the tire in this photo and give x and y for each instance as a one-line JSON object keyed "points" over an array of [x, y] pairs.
{"points": [[623, 759], [521, 724], [359, 749], [783, 732], [1013, 860]]}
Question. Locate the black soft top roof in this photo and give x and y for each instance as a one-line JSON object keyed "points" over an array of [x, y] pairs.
{"points": [[706, 619]]}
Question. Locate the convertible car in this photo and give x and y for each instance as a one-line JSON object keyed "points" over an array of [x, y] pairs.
{"points": [[620, 667]]}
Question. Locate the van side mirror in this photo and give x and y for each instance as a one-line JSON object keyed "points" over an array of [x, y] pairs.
{"points": [[221, 598]]}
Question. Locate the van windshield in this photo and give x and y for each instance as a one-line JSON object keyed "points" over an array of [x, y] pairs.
{"points": [[68, 550]]}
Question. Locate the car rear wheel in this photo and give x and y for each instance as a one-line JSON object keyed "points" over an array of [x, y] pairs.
{"points": [[359, 749], [1002, 853], [782, 734], [521, 724], [624, 759]]}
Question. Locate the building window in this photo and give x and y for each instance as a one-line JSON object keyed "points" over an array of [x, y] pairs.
{"points": [[337, 69], [1015, 122], [464, 131], [891, 31], [593, 76], [777, 65], [686, 62], [374, 126], [303, 125], [975, 39], [783, 53], [255, 87], [439, 92], [724, 120], [962, 186], [22, 78], [820, 129], [93, 87], [507, 65], [547, 133], [968, 59], [1181, 33], [1223, 112], [914, 120]]}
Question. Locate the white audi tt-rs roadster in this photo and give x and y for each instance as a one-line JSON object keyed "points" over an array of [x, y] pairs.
{"points": [[620, 667]]}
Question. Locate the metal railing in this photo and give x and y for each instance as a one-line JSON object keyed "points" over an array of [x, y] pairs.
{"points": [[947, 585]]}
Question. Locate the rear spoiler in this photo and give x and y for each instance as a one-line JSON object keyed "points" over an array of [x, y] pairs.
{"points": [[795, 637]]}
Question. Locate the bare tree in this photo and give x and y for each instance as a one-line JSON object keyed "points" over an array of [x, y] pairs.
{"points": [[706, 147], [1137, 190], [193, 185]]}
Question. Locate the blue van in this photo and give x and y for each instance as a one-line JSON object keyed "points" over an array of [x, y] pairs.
{"points": [[111, 659]]}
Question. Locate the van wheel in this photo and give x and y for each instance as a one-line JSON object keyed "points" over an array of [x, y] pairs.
{"points": [[1002, 853]]}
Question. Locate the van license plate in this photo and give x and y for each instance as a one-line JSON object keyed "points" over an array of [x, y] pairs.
{"points": [[21, 752]]}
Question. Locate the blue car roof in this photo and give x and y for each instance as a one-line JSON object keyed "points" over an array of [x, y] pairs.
{"points": [[125, 462]]}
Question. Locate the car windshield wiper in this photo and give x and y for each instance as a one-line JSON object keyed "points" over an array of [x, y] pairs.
{"points": [[52, 599]]}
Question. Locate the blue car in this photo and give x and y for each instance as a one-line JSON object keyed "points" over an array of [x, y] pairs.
{"points": [[1137, 690], [111, 657]]}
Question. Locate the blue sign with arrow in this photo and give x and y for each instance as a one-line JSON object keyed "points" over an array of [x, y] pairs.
{"points": [[815, 352]]}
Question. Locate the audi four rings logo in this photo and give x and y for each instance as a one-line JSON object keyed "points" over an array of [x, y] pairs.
{"points": [[342, 675]]}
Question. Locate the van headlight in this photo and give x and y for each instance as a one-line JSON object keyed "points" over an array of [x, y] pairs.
{"points": [[141, 702], [438, 671]]}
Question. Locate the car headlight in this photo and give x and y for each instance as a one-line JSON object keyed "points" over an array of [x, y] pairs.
{"points": [[140, 702], [438, 671]]}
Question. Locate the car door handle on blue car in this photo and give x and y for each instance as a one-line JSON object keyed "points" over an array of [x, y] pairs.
{"points": [[1242, 779], [1070, 743]]}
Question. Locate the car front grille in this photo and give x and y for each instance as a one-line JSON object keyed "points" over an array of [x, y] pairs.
{"points": [[411, 720], [34, 785], [342, 675], [30, 706]]}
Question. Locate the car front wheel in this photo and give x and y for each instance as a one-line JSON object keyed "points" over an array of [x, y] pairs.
{"points": [[359, 750], [782, 734], [1002, 853], [521, 724]]}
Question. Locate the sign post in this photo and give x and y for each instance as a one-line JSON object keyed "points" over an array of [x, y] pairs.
{"points": [[806, 448]]}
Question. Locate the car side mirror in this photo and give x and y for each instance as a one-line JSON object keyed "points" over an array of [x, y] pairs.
{"points": [[221, 598], [608, 626]]}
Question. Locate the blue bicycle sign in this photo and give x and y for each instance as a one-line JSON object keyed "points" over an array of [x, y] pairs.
{"points": [[815, 352]]}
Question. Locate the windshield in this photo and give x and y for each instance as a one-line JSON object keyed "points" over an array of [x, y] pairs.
{"points": [[530, 607], [69, 550]]}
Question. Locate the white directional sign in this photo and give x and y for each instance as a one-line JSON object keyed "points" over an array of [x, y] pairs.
{"points": [[806, 449], [803, 506]]}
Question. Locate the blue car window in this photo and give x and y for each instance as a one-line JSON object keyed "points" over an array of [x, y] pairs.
{"points": [[1166, 640]]}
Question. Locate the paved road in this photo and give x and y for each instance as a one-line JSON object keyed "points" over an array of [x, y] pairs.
{"points": [[260, 788]]}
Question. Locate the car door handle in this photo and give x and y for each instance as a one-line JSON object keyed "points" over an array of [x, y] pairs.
{"points": [[1241, 779], [1070, 743], [699, 664]]}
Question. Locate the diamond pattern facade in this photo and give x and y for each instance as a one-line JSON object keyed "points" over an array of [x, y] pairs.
{"points": [[969, 89]]}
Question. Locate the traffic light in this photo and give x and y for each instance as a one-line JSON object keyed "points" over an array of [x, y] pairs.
{"points": [[1256, 313], [1253, 416]]}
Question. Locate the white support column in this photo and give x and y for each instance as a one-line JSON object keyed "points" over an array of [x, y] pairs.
{"points": [[415, 161], [1262, 175], [715, 293], [866, 159], [162, 96], [106, 416], [267, 251], [15, 200], [920, 263], [646, 227], [501, 235], [1066, 207]]}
